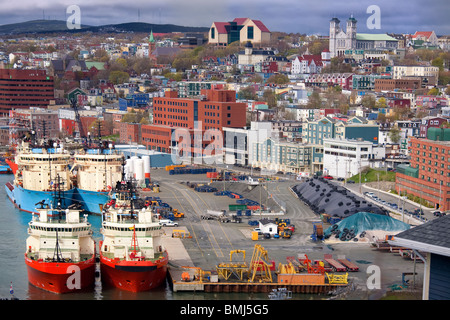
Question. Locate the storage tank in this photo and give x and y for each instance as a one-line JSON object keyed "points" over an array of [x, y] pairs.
{"points": [[133, 161], [129, 169], [139, 169], [146, 160]]}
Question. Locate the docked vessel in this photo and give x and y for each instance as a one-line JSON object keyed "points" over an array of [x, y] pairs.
{"points": [[96, 171], [35, 169], [132, 257], [60, 254]]}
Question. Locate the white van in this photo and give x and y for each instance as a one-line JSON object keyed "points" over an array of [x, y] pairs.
{"points": [[167, 223]]}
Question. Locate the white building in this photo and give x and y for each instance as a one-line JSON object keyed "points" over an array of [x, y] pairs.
{"points": [[429, 74], [344, 158]]}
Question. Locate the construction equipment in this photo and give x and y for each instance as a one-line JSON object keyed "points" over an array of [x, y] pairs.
{"points": [[181, 234], [260, 268], [237, 268], [177, 214], [288, 268], [316, 267], [200, 275], [337, 278]]}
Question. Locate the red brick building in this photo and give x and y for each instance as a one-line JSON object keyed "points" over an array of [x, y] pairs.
{"points": [[24, 89], [129, 132], [392, 84], [428, 174], [213, 111]]}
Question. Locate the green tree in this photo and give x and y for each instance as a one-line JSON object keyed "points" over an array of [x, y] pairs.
{"points": [[381, 103], [433, 92], [394, 134], [278, 79], [117, 77], [247, 93]]}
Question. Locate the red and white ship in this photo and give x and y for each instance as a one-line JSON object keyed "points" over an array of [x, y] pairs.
{"points": [[132, 257], [60, 255]]}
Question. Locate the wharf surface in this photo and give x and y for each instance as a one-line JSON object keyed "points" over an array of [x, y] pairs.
{"points": [[179, 257]]}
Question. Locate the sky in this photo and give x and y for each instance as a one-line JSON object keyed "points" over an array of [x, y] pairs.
{"points": [[296, 16]]}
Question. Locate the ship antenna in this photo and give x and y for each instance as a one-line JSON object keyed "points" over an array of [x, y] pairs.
{"points": [[57, 251]]}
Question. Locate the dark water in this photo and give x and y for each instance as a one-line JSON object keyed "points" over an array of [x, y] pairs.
{"points": [[13, 235]]}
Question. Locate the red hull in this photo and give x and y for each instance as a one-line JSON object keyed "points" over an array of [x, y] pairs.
{"points": [[134, 276], [60, 277]]}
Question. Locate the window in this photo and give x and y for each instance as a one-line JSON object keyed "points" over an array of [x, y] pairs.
{"points": [[250, 32], [213, 33]]}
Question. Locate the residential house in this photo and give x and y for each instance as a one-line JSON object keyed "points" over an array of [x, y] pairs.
{"points": [[240, 29]]}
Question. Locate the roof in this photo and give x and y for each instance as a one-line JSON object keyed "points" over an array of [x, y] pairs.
{"points": [[97, 65], [432, 236], [220, 26], [374, 37], [426, 34]]}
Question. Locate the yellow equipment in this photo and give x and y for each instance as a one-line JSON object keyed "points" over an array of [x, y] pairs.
{"points": [[177, 214], [181, 234], [286, 268], [259, 266], [337, 278], [225, 270]]}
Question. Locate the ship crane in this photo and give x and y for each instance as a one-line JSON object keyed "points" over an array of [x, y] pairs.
{"points": [[74, 105]]}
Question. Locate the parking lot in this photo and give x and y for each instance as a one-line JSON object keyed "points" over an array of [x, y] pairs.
{"points": [[212, 240]]}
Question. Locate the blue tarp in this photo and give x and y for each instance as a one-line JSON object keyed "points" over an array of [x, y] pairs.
{"points": [[364, 221]]}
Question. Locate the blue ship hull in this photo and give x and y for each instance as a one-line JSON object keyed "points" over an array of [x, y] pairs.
{"points": [[91, 201], [25, 200]]}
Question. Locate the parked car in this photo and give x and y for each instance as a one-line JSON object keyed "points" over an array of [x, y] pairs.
{"points": [[328, 177], [350, 181], [167, 223]]}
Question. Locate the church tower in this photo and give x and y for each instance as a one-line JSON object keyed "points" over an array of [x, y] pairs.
{"points": [[351, 33], [334, 30], [151, 46]]}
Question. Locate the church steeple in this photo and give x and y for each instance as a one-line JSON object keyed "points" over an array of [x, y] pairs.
{"points": [[150, 38]]}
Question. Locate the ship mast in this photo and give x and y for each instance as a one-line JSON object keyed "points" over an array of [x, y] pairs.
{"points": [[134, 244]]}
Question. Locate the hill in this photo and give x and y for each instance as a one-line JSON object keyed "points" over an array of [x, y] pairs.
{"points": [[57, 26]]}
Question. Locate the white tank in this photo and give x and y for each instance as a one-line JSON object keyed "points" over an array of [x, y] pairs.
{"points": [[146, 164], [139, 169], [129, 168]]}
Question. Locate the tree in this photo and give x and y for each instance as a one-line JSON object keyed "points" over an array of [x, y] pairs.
{"points": [[368, 101], [247, 93], [394, 134], [117, 77], [270, 97], [433, 92], [278, 79], [381, 103], [314, 101]]}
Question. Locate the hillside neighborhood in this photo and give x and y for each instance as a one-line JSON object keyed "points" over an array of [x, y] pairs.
{"points": [[292, 104]]}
